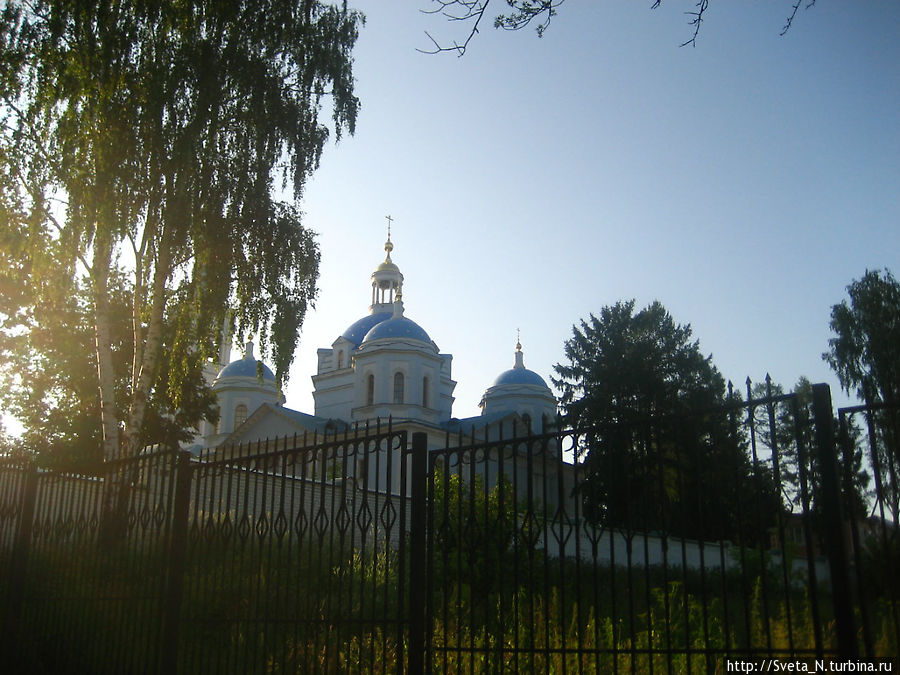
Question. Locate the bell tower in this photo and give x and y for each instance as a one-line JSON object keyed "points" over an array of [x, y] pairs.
{"points": [[387, 281]]}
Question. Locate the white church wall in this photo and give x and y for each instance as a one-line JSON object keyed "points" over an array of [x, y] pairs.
{"points": [[334, 395], [279, 491]]}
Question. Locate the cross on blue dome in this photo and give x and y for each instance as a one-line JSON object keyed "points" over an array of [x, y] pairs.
{"points": [[519, 374]]}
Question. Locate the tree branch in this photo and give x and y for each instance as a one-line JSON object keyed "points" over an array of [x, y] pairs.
{"points": [[790, 20], [526, 11], [471, 9], [37, 200], [702, 6]]}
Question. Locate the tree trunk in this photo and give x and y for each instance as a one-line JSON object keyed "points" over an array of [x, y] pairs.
{"points": [[151, 350], [103, 336], [116, 493]]}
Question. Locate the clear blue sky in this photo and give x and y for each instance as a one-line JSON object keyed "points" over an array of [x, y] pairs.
{"points": [[743, 183]]}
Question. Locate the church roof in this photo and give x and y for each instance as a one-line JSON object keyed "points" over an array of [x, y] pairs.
{"points": [[468, 425], [519, 376], [299, 422], [312, 422], [246, 367], [358, 329], [397, 327]]}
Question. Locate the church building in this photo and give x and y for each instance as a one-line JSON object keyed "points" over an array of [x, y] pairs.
{"points": [[384, 365]]}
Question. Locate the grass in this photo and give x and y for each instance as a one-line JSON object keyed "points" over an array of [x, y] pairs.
{"points": [[264, 607]]}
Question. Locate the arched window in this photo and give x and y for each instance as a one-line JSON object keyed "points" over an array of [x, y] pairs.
{"points": [[398, 387], [370, 391], [240, 415], [425, 385]]}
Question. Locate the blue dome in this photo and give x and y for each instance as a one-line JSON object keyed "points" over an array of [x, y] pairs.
{"points": [[519, 376], [245, 368], [398, 327], [357, 331]]}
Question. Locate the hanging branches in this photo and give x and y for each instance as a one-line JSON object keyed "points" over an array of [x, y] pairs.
{"points": [[541, 12]]}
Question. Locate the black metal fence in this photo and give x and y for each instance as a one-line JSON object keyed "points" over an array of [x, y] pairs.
{"points": [[285, 556], [642, 547]]}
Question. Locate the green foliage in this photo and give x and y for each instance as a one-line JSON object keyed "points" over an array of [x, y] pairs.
{"points": [[625, 366], [144, 146], [780, 426], [477, 531], [49, 382], [259, 605], [864, 353], [669, 626], [661, 450], [865, 356], [880, 561], [49, 378]]}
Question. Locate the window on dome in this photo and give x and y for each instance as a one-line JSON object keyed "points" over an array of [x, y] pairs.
{"points": [[425, 385], [398, 387], [370, 391], [240, 415]]}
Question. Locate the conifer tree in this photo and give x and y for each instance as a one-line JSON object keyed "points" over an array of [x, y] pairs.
{"points": [[660, 449]]}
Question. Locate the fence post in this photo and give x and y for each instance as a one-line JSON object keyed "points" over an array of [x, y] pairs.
{"points": [[18, 566], [176, 563], [417, 554], [833, 522]]}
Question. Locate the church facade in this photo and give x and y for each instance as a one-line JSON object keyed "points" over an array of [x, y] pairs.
{"points": [[384, 365]]}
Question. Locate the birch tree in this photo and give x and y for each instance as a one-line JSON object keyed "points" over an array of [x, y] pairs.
{"points": [[865, 355], [151, 140]]}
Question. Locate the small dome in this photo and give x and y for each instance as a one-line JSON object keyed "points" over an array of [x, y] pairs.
{"points": [[519, 376], [245, 368], [357, 331], [387, 266], [398, 327]]}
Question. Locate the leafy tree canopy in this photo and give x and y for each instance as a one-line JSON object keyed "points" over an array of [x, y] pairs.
{"points": [[865, 355], [865, 352], [144, 146]]}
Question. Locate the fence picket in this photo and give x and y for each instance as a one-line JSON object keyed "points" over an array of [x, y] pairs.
{"points": [[362, 552]]}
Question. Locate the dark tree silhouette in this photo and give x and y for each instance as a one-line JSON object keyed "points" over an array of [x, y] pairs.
{"points": [[661, 450], [865, 355]]}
